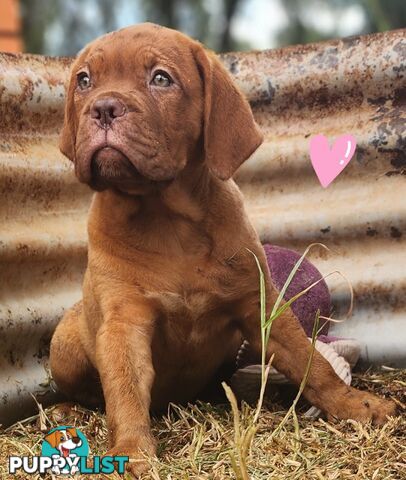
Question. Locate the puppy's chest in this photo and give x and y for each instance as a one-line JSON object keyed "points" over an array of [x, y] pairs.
{"points": [[200, 303], [191, 321], [220, 278], [191, 304]]}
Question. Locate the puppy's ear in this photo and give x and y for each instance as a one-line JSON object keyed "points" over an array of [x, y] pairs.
{"points": [[54, 438], [68, 132], [230, 132]]}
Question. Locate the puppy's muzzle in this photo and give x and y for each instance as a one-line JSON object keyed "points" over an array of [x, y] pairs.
{"points": [[106, 110]]}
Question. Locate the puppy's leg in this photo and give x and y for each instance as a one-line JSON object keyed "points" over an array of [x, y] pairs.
{"points": [[124, 361], [71, 369], [292, 349]]}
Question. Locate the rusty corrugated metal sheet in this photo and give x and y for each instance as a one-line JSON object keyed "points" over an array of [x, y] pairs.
{"points": [[42, 226], [355, 85]]}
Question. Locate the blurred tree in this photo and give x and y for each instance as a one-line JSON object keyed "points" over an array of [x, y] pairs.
{"points": [[297, 30], [230, 9], [76, 20], [82, 20], [380, 15], [193, 18], [107, 10], [162, 11], [384, 15], [63, 26], [36, 16]]}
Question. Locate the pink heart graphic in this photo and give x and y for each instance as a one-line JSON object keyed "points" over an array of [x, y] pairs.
{"points": [[328, 164]]}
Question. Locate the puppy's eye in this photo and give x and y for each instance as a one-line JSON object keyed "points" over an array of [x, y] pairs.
{"points": [[83, 80], [161, 79]]}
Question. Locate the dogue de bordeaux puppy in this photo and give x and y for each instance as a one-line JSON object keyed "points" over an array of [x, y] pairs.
{"points": [[155, 125]]}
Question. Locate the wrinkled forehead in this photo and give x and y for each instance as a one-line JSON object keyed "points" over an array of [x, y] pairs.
{"points": [[140, 45]]}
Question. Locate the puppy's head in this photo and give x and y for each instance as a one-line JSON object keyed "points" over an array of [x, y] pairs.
{"points": [[67, 438], [144, 101]]}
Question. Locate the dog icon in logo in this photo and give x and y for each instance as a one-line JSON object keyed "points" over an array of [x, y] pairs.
{"points": [[65, 443], [64, 440]]}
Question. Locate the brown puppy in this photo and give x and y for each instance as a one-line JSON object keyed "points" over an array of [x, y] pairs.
{"points": [[154, 124]]}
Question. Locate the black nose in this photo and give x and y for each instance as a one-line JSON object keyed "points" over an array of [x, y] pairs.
{"points": [[105, 110], [76, 440]]}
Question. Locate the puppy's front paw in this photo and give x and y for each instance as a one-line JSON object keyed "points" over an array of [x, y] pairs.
{"points": [[138, 452], [362, 406]]}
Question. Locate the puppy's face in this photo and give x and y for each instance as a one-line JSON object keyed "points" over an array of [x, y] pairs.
{"points": [[64, 440], [138, 108]]}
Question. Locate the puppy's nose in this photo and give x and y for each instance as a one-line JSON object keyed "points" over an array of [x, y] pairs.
{"points": [[76, 440], [105, 110]]}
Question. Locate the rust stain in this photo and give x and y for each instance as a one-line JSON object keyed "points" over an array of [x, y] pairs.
{"points": [[33, 79]]}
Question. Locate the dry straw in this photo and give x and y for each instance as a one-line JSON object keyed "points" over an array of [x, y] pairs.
{"points": [[194, 441], [203, 441]]}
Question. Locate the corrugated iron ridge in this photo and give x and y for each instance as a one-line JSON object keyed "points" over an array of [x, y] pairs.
{"points": [[42, 217], [286, 70]]}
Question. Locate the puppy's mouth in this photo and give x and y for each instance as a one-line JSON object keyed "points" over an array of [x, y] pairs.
{"points": [[110, 168], [109, 164], [65, 451]]}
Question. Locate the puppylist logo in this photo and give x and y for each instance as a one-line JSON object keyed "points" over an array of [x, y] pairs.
{"points": [[65, 451]]}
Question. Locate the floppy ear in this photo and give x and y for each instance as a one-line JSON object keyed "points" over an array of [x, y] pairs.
{"points": [[67, 136], [54, 438], [230, 132]]}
